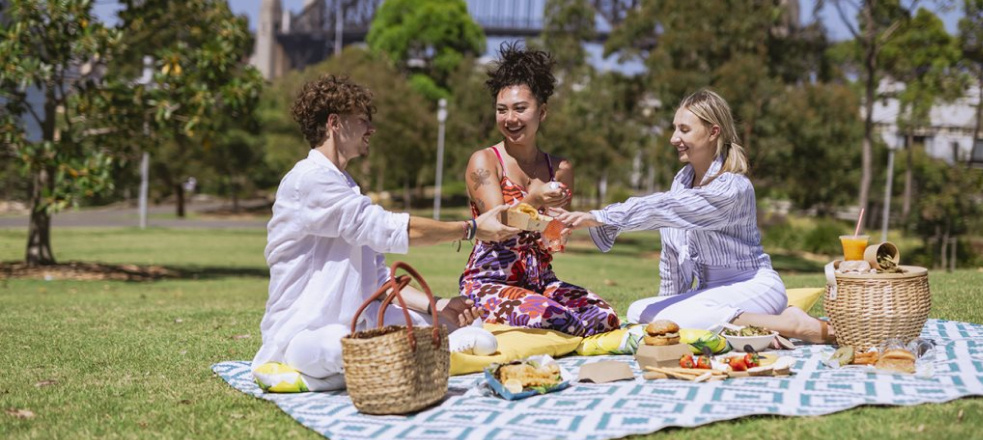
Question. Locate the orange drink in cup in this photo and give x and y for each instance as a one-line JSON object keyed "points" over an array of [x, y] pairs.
{"points": [[853, 246]]}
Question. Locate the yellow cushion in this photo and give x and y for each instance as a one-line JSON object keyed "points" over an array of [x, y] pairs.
{"points": [[515, 343], [804, 298]]}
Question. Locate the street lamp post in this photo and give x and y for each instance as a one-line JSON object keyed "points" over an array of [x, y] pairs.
{"points": [[441, 118], [145, 79]]}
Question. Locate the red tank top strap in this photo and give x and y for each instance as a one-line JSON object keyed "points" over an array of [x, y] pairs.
{"points": [[550, 165], [500, 161]]}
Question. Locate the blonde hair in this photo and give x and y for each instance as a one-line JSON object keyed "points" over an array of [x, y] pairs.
{"points": [[713, 110]]}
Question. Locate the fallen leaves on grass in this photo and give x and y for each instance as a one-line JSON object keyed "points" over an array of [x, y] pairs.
{"points": [[45, 383], [20, 413], [245, 336]]}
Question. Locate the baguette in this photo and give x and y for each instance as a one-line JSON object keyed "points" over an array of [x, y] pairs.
{"points": [[897, 360]]}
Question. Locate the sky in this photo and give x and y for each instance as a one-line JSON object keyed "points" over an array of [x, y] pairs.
{"points": [[106, 10]]}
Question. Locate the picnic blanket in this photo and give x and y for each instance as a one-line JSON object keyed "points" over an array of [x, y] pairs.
{"points": [[613, 410]]}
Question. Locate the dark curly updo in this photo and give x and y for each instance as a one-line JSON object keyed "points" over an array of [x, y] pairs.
{"points": [[324, 96], [518, 66]]}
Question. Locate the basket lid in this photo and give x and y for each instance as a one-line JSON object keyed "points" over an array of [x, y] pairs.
{"points": [[906, 272]]}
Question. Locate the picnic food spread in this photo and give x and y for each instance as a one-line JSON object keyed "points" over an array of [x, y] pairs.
{"points": [[661, 332], [521, 375], [748, 330], [892, 356]]}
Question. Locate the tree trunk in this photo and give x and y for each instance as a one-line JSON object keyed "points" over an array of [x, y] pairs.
{"points": [[979, 118], [38, 251], [407, 197], [908, 175], [944, 248], [870, 89], [602, 189], [952, 254], [234, 186], [179, 198]]}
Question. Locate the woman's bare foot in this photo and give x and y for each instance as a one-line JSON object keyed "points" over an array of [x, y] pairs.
{"points": [[807, 328], [793, 322]]}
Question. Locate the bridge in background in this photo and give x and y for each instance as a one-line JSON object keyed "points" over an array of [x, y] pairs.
{"points": [[286, 41]]}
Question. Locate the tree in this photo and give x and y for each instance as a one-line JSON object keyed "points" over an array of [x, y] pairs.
{"points": [[57, 50], [751, 52], [947, 201], [568, 24], [971, 42], [427, 39], [924, 57], [818, 132], [200, 49], [878, 20]]}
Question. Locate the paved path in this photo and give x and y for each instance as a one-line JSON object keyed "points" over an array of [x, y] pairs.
{"points": [[203, 215]]}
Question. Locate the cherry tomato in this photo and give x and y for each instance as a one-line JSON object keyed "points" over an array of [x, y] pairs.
{"points": [[737, 364], [703, 362], [752, 360], [687, 361]]}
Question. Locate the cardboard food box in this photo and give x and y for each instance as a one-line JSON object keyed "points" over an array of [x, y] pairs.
{"points": [[661, 355], [521, 220], [604, 372]]}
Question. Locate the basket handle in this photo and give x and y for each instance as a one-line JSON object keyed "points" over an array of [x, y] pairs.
{"points": [[830, 270], [397, 284]]}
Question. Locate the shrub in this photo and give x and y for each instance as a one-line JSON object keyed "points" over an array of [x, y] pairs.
{"points": [[824, 238]]}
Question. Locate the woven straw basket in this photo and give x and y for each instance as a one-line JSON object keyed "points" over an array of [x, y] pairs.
{"points": [[396, 369], [867, 309]]}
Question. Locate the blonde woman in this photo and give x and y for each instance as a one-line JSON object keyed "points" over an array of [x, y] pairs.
{"points": [[713, 268]]}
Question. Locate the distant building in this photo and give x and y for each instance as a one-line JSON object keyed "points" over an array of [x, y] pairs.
{"points": [[950, 135]]}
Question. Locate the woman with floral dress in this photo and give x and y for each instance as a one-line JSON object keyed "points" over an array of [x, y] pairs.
{"points": [[513, 279]]}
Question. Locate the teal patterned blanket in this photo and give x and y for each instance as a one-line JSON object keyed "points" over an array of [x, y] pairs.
{"points": [[613, 410]]}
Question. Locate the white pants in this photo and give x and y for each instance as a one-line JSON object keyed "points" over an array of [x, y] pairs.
{"points": [[316, 353], [730, 293]]}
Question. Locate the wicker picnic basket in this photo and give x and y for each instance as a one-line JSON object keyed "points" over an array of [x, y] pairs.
{"points": [[867, 309], [396, 369]]}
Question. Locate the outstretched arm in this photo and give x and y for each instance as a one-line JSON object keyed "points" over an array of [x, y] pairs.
{"points": [[426, 232]]}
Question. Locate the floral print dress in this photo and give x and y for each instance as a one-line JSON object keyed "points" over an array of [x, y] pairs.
{"points": [[514, 281]]}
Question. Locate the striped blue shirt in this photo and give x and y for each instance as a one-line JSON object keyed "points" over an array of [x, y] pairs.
{"points": [[705, 231]]}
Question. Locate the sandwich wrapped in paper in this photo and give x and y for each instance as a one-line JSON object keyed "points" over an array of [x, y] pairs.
{"points": [[524, 216], [526, 378]]}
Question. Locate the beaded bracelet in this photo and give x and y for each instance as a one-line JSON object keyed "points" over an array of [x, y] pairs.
{"points": [[474, 229]]}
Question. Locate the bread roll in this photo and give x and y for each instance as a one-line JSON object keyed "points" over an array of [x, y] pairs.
{"points": [[661, 340], [661, 332]]}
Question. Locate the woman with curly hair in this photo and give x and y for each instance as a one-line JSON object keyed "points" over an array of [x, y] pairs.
{"points": [[513, 279]]}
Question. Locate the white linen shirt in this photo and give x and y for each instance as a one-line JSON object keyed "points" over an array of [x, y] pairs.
{"points": [[707, 232], [325, 248]]}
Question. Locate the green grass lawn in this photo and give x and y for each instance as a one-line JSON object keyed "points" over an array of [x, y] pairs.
{"points": [[131, 360]]}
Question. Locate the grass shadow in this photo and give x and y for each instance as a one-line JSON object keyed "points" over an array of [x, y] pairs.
{"points": [[88, 271]]}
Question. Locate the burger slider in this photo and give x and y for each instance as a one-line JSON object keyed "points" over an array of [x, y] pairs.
{"points": [[662, 332]]}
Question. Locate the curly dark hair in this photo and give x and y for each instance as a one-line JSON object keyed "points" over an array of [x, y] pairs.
{"points": [[324, 96], [518, 66]]}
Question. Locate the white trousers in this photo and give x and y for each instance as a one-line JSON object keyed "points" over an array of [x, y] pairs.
{"points": [[316, 353], [730, 293]]}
